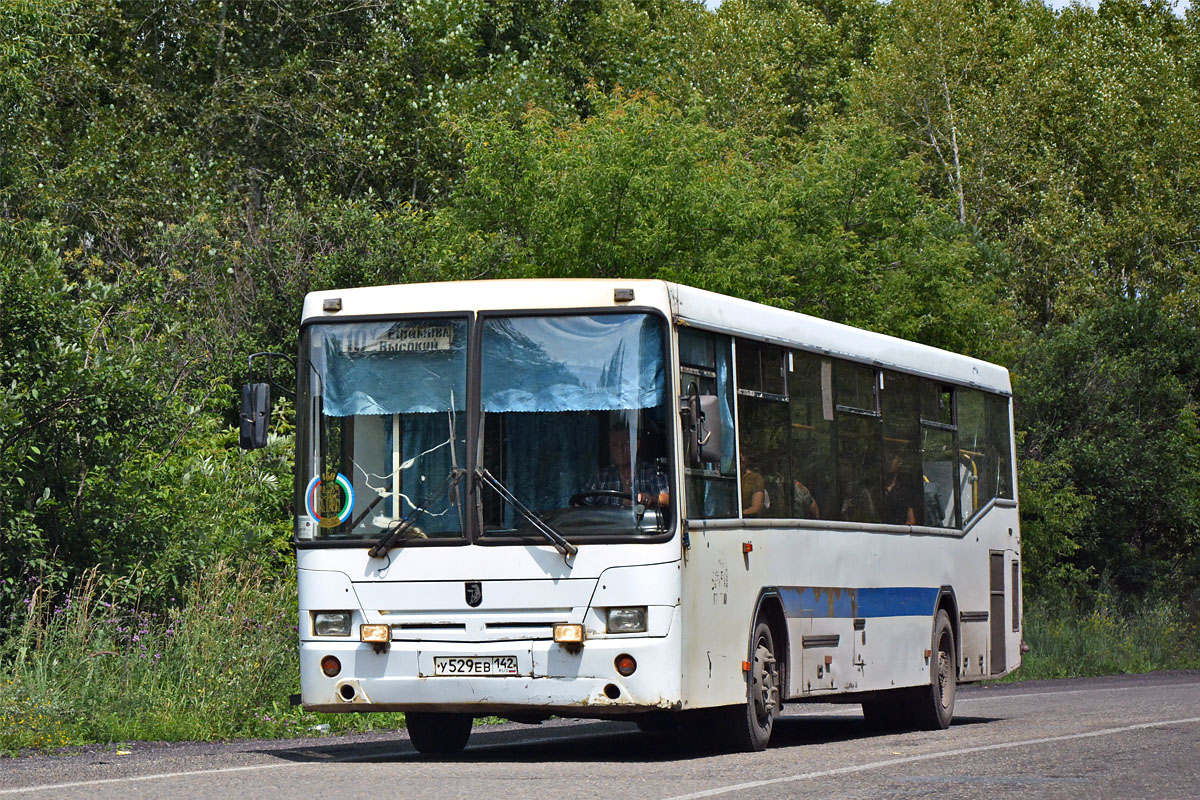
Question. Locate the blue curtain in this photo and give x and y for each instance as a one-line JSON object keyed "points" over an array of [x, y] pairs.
{"points": [[725, 393], [391, 367], [607, 362], [549, 458]]}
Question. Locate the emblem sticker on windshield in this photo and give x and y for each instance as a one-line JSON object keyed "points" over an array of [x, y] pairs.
{"points": [[326, 493]]}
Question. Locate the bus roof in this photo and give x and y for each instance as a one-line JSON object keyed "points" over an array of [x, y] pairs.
{"points": [[687, 306]]}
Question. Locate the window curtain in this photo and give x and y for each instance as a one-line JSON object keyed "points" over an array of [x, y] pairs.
{"points": [[607, 362]]}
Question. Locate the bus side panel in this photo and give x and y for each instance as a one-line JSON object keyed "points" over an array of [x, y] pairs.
{"points": [[858, 605], [719, 593]]}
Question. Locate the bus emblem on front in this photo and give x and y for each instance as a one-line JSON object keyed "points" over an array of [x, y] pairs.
{"points": [[474, 591]]}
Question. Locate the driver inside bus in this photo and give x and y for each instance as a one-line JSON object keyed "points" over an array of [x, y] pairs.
{"points": [[648, 487]]}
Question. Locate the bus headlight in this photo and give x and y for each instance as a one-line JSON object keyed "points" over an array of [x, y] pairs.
{"points": [[331, 623], [374, 633], [627, 620], [568, 633]]}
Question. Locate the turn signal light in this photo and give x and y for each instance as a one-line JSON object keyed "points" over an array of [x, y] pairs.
{"points": [[625, 664], [375, 633], [568, 633], [331, 666]]}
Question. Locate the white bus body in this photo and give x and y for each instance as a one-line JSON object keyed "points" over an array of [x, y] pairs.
{"points": [[850, 575]]}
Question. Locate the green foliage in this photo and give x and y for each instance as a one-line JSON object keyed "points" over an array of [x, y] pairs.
{"points": [[1069, 138], [1053, 511], [1106, 634], [103, 461], [993, 177], [1110, 403], [641, 189], [872, 250], [638, 190], [218, 661]]}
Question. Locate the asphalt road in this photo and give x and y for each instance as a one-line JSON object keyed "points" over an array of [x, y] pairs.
{"points": [[1117, 737]]}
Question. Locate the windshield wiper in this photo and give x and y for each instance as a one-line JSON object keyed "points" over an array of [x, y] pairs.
{"points": [[395, 532], [567, 549]]}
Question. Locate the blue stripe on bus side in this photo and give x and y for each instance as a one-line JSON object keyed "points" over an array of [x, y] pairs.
{"points": [[841, 602]]}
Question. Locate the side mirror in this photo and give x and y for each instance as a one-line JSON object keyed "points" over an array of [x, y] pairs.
{"points": [[256, 410], [701, 415], [708, 430]]}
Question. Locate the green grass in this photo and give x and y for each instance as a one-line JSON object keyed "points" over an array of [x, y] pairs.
{"points": [[219, 663], [1105, 636]]}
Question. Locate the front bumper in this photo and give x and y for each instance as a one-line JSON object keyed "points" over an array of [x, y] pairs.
{"points": [[552, 678]]}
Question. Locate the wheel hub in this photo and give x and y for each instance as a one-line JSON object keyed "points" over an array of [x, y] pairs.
{"points": [[766, 683]]}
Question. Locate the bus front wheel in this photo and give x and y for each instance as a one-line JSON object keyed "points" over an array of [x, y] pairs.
{"points": [[438, 734], [749, 727]]}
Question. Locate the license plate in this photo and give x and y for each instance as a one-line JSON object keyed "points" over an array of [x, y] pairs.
{"points": [[475, 665]]}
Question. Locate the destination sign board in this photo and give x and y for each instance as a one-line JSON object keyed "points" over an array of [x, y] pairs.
{"points": [[400, 337]]}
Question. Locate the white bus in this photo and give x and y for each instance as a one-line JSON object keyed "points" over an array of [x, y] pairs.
{"points": [[639, 500]]}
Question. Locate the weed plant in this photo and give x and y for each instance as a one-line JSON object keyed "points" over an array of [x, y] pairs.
{"points": [[219, 662], [1104, 635]]}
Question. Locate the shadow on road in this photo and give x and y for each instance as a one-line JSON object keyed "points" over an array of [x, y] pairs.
{"points": [[596, 742]]}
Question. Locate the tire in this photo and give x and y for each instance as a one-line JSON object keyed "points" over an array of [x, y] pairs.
{"points": [[748, 727], [438, 734], [932, 706]]}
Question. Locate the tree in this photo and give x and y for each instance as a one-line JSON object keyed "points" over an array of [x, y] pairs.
{"points": [[1110, 406]]}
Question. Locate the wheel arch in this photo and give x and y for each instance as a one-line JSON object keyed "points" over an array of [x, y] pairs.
{"points": [[769, 608], [947, 601]]}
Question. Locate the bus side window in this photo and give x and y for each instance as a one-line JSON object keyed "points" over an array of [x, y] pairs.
{"points": [[706, 360], [976, 458], [938, 463], [903, 495], [813, 467], [763, 431], [859, 460], [1000, 443]]}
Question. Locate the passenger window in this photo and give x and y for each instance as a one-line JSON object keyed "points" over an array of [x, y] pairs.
{"points": [[706, 363], [1000, 443], [935, 403], [938, 460], [760, 368], [810, 395], [763, 431], [940, 509], [856, 387], [903, 502], [977, 468], [859, 460]]}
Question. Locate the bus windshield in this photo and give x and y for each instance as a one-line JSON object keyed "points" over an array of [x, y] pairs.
{"points": [[574, 424], [381, 429]]}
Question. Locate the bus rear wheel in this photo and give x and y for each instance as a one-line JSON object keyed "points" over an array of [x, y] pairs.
{"points": [[929, 707], [748, 727], [438, 734], [933, 705]]}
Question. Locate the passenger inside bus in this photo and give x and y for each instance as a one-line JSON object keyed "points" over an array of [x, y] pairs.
{"points": [[754, 493], [805, 504], [897, 502], [857, 503]]}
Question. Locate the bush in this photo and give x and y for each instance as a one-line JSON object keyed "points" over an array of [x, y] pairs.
{"points": [[220, 661], [1103, 636]]}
